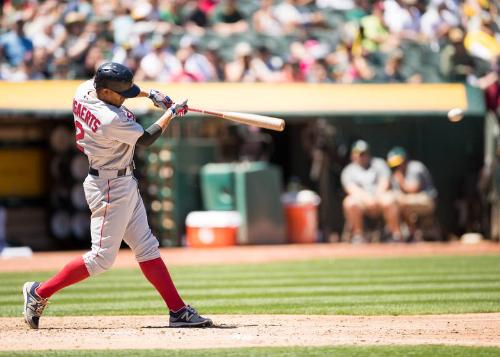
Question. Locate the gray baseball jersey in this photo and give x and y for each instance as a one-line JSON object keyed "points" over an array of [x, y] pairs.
{"points": [[107, 135], [416, 172], [368, 178]]}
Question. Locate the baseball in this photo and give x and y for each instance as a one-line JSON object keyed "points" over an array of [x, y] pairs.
{"points": [[455, 115]]}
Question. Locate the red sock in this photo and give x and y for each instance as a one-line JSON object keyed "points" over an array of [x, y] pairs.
{"points": [[157, 273], [72, 273]]}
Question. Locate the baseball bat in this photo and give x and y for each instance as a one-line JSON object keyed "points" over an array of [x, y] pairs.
{"points": [[262, 121]]}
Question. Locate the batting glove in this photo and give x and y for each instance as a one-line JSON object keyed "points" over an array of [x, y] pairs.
{"points": [[159, 100], [179, 109]]}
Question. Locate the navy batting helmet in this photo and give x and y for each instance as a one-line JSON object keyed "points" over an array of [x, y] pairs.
{"points": [[116, 77]]}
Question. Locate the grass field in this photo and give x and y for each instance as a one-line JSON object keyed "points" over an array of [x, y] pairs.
{"points": [[380, 351], [430, 285]]}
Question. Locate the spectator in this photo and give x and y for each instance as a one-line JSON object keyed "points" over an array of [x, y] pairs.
{"points": [[199, 19], [392, 68], [267, 68], [228, 20], [215, 61], [403, 18], [160, 64], [366, 181], [240, 69], [16, 46], [339, 5], [183, 74], [51, 37], [141, 47], [196, 64], [294, 17], [319, 72], [455, 63], [264, 20], [39, 68], [292, 73], [362, 33], [413, 186], [374, 32], [437, 21], [482, 43], [122, 24]]}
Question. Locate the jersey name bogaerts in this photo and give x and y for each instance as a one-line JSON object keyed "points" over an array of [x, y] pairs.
{"points": [[105, 133]]}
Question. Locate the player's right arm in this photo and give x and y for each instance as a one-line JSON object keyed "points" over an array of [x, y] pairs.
{"points": [[154, 131]]}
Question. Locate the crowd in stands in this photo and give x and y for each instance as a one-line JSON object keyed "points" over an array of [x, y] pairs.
{"points": [[341, 41]]}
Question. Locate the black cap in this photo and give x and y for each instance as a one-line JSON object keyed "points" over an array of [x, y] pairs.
{"points": [[118, 78]]}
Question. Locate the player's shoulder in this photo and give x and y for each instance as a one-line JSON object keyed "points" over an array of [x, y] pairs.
{"points": [[117, 114], [108, 112], [349, 168], [378, 162], [416, 165], [84, 88]]}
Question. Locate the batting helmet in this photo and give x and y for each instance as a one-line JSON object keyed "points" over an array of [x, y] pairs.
{"points": [[116, 77]]}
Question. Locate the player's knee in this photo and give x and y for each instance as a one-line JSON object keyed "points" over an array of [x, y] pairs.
{"points": [[147, 250], [99, 262], [387, 200], [351, 203], [105, 262]]}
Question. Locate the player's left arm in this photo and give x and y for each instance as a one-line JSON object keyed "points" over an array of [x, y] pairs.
{"points": [[159, 99], [411, 182], [154, 131]]}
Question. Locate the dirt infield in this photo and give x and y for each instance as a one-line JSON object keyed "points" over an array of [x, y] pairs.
{"points": [[140, 332], [134, 332], [259, 254]]}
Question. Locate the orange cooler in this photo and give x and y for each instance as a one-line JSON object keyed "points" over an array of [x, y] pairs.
{"points": [[212, 228], [301, 215]]}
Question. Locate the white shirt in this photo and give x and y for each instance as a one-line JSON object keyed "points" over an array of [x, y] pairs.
{"points": [[105, 133]]}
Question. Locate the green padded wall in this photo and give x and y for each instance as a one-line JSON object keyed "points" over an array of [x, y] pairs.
{"points": [[217, 183]]}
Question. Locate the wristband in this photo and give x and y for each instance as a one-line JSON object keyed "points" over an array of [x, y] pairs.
{"points": [[174, 112]]}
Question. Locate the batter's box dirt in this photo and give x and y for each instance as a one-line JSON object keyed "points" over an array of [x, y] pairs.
{"points": [[142, 332]]}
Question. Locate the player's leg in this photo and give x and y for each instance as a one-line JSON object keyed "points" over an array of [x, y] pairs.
{"points": [[415, 206], [353, 211], [391, 212], [145, 247], [108, 202]]}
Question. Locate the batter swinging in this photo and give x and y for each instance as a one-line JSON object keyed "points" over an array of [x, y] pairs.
{"points": [[106, 131]]}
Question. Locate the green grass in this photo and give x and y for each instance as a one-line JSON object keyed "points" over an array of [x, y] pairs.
{"points": [[431, 285], [343, 351]]}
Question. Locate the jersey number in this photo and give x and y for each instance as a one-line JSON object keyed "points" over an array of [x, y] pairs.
{"points": [[79, 134]]}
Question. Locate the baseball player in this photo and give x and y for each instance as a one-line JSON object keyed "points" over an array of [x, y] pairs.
{"points": [[107, 132]]}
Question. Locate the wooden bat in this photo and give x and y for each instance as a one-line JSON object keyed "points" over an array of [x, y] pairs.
{"points": [[262, 121]]}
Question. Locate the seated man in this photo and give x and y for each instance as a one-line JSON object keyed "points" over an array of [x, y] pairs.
{"points": [[413, 187], [366, 182]]}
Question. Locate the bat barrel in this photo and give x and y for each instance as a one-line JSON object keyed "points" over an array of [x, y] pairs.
{"points": [[262, 121]]}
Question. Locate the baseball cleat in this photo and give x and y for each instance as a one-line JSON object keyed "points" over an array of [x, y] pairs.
{"points": [[33, 304], [188, 317]]}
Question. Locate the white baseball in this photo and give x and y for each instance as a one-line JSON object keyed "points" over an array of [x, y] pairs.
{"points": [[455, 114]]}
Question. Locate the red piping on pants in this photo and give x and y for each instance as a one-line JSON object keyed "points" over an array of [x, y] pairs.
{"points": [[103, 219]]}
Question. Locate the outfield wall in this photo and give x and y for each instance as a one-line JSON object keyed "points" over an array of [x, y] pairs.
{"points": [[39, 132]]}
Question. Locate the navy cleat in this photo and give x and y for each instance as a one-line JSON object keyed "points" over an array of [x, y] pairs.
{"points": [[188, 317], [33, 304]]}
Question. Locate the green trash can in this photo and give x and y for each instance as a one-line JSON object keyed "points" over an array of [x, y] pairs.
{"points": [[217, 187], [251, 188]]}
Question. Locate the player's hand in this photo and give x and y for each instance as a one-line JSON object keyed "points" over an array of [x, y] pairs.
{"points": [[179, 109], [159, 99]]}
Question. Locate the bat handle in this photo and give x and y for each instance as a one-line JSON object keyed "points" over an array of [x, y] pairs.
{"points": [[209, 112], [191, 109]]}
